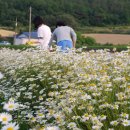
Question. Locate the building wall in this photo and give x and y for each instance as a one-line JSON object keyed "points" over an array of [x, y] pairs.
{"points": [[19, 41]]}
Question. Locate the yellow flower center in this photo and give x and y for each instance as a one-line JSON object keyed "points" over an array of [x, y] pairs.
{"points": [[127, 77], [11, 106], [58, 118], [92, 85], [51, 112], [10, 128], [42, 128], [4, 119], [33, 119], [40, 114], [86, 115], [129, 86]]}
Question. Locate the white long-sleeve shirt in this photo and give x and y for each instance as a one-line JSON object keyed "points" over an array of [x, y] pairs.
{"points": [[44, 36]]}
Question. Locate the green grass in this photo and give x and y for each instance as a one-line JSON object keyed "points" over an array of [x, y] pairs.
{"points": [[110, 47], [21, 47], [105, 29], [89, 47]]}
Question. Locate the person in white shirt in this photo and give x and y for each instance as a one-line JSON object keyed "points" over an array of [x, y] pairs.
{"points": [[43, 32]]}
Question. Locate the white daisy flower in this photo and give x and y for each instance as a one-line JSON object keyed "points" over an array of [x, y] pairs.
{"points": [[114, 123], [10, 106], [85, 117], [96, 127], [126, 122], [1, 75], [102, 117], [85, 97], [42, 128], [71, 125], [52, 128], [10, 126], [125, 115], [5, 118], [40, 115]]}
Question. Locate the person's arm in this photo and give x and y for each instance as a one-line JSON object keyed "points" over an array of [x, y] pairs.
{"points": [[53, 37], [73, 36]]}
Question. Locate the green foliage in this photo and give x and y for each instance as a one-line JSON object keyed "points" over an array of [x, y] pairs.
{"points": [[16, 47], [90, 40], [85, 46], [76, 13], [84, 41], [68, 19], [110, 47], [9, 39]]}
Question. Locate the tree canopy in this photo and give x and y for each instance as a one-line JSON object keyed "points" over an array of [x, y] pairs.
{"points": [[74, 12]]}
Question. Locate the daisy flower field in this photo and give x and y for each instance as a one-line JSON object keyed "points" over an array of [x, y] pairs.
{"points": [[41, 90]]}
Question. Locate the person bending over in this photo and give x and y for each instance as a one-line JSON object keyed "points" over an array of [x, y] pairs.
{"points": [[64, 36]]}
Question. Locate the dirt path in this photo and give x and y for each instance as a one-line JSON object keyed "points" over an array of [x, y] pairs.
{"points": [[6, 33], [110, 38]]}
